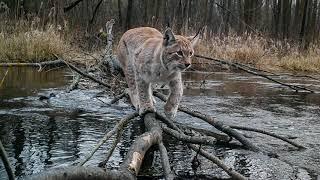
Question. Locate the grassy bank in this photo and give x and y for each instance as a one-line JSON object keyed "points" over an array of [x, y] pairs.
{"points": [[24, 43], [263, 53], [31, 45]]}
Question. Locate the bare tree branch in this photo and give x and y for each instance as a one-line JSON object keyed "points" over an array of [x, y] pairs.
{"points": [[71, 5], [190, 139]]}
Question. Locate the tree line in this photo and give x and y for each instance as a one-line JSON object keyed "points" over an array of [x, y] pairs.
{"points": [[282, 19]]}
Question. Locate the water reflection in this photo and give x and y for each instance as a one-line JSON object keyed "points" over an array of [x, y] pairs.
{"points": [[26, 81], [39, 135]]}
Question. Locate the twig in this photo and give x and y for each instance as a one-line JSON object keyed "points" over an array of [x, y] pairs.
{"points": [[234, 174], [72, 5], [218, 136], [4, 77], [190, 139], [85, 74], [113, 147], [95, 12], [294, 87], [74, 84], [116, 128], [6, 162], [117, 98]]}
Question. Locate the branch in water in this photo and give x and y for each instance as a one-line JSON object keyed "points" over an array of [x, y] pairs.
{"points": [[120, 125], [217, 161], [218, 125], [242, 67]]}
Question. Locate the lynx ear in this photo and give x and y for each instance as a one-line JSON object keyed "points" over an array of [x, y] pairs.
{"points": [[195, 39], [168, 38]]}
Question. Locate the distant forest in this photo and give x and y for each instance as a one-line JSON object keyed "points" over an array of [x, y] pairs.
{"points": [[297, 20]]}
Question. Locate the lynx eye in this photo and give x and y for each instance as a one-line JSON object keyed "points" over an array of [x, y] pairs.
{"points": [[190, 53], [180, 53]]}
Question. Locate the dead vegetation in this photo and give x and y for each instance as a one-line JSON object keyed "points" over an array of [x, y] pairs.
{"points": [[29, 44], [263, 53]]}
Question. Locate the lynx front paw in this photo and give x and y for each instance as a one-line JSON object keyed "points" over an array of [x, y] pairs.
{"points": [[170, 111], [147, 109]]}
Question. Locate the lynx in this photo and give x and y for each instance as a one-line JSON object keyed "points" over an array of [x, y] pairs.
{"points": [[147, 56]]}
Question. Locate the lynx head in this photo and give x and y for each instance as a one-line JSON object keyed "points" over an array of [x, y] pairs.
{"points": [[177, 50]]}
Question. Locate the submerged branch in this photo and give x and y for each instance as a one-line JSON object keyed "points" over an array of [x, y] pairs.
{"points": [[268, 133]]}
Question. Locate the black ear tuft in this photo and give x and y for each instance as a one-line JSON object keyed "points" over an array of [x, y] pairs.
{"points": [[168, 37]]}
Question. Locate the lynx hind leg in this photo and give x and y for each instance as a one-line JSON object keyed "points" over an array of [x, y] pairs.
{"points": [[131, 81]]}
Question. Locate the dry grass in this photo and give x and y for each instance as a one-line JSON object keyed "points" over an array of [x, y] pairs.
{"points": [[307, 62], [262, 53], [31, 45]]}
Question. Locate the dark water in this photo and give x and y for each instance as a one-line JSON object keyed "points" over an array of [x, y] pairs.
{"points": [[39, 135]]}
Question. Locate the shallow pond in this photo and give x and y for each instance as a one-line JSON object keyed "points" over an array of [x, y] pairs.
{"points": [[39, 135]]}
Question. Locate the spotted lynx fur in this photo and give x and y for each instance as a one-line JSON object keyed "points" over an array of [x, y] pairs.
{"points": [[147, 56]]}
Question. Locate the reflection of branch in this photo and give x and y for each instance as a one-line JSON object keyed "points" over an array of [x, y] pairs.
{"points": [[6, 162], [236, 65]]}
